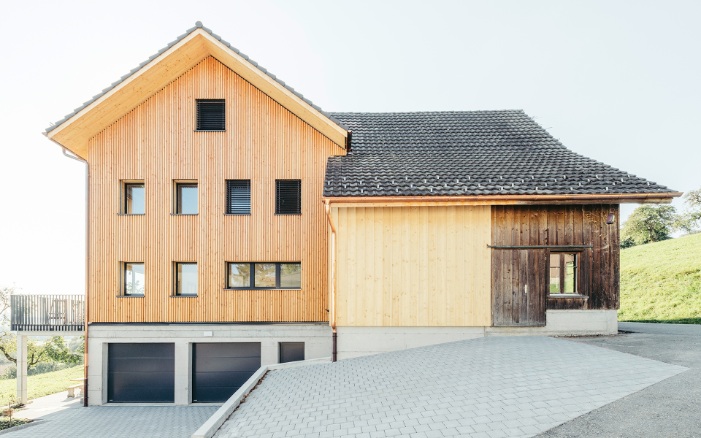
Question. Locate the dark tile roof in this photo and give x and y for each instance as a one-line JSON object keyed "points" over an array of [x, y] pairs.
{"points": [[198, 25], [466, 153]]}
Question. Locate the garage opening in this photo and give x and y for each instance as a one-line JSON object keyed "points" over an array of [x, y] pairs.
{"points": [[219, 369], [291, 351], [140, 373]]}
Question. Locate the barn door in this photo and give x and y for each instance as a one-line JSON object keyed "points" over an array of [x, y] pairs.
{"points": [[519, 282]]}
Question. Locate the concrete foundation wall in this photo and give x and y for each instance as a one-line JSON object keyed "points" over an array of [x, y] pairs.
{"points": [[362, 341], [316, 338], [567, 323]]}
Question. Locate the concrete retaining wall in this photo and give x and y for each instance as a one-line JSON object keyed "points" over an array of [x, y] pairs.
{"points": [[362, 341]]}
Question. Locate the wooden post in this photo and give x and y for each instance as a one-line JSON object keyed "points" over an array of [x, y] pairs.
{"points": [[21, 368]]}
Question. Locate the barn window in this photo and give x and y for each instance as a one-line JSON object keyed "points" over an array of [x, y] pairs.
{"points": [[563, 273], [264, 276], [211, 115], [238, 196], [288, 196]]}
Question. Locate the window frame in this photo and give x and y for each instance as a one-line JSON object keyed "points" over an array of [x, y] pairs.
{"points": [[562, 271], [123, 288], [125, 199], [175, 281], [177, 196], [252, 281], [278, 182], [197, 114], [229, 185]]}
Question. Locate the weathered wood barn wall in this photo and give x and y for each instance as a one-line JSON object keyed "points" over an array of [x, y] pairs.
{"points": [[582, 227], [156, 142]]}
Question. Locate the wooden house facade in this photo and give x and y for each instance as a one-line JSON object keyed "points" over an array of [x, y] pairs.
{"points": [[233, 224]]}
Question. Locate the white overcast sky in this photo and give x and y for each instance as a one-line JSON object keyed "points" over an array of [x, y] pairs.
{"points": [[618, 81]]}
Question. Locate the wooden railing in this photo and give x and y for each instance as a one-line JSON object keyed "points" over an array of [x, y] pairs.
{"points": [[47, 313]]}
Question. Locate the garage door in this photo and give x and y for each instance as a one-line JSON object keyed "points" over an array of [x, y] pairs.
{"points": [[219, 369], [140, 373]]}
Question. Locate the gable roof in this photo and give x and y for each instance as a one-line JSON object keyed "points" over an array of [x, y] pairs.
{"points": [[496, 154], [75, 129]]}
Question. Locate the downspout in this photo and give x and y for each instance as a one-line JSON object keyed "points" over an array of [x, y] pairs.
{"points": [[332, 303], [87, 264]]}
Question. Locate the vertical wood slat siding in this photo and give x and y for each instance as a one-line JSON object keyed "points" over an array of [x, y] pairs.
{"points": [[599, 266], [413, 266], [156, 142]]}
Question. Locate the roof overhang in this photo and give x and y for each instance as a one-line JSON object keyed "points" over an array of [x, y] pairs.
{"points": [[425, 201], [75, 132]]}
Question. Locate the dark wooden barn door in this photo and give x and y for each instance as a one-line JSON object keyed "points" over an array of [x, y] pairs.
{"points": [[519, 287]]}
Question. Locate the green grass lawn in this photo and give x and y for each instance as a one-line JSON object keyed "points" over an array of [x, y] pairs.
{"points": [[41, 384], [661, 282]]}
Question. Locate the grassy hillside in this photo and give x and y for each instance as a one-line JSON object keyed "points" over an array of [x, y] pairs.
{"points": [[41, 384], [661, 282]]}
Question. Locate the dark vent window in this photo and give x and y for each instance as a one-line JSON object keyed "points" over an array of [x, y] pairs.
{"points": [[288, 196], [211, 115], [238, 196]]}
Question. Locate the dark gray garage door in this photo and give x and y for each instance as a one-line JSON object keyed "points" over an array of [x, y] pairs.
{"points": [[140, 373], [219, 369]]}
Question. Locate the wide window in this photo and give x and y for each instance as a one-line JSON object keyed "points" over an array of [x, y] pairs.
{"points": [[288, 196], [238, 196], [563, 273], [133, 279], [264, 276], [186, 279], [134, 198], [211, 115], [186, 198]]}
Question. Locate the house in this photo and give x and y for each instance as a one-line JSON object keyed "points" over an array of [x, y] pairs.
{"points": [[232, 223]]}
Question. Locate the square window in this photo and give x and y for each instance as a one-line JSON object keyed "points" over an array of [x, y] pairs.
{"points": [[291, 351], [186, 198], [265, 275], [134, 198], [211, 115], [133, 279], [239, 275], [563, 273], [288, 196], [238, 196], [290, 275], [186, 279]]}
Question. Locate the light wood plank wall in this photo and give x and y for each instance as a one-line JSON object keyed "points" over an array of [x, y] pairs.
{"points": [[156, 142], [413, 266]]}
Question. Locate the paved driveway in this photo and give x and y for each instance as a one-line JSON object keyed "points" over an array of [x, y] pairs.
{"points": [[118, 422], [490, 387], [671, 408]]}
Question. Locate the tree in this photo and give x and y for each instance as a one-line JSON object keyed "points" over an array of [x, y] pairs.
{"points": [[649, 223], [57, 351], [690, 220]]}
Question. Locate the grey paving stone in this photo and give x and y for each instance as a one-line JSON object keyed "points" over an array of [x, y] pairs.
{"points": [[119, 422], [491, 387]]}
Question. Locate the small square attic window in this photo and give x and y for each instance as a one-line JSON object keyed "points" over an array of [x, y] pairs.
{"points": [[211, 115]]}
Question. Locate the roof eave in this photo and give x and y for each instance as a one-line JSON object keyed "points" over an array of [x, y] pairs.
{"points": [[614, 198]]}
